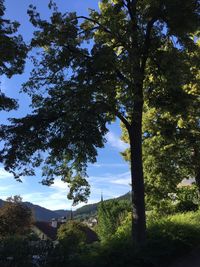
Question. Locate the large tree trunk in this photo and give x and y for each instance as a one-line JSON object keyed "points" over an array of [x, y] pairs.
{"points": [[137, 178], [197, 179]]}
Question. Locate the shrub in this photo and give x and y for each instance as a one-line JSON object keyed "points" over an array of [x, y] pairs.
{"points": [[186, 205], [71, 235]]}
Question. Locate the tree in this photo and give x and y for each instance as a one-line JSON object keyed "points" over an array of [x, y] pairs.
{"points": [[12, 55], [76, 90], [71, 235], [15, 217], [188, 198], [171, 141], [110, 215]]}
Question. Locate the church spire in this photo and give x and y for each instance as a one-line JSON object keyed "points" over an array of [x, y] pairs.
{"points": [[101, 196]]}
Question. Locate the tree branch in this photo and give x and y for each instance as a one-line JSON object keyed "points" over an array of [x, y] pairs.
{"points": [[147, 43], [116, 112], [122, 77], [76, 51], [123, 119], [131, 6], [118, 37], [95, 22]]}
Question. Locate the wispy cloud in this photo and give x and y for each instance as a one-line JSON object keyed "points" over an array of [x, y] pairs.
{"points": [[59, 185], [115, 142], [110, 178], [122, 179], [55, 196], [4, 174], [109, 165], [112, 185], [5, 191], [51, 199]]}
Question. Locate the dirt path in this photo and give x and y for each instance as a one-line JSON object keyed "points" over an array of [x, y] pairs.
{"points": [[190, 260]]}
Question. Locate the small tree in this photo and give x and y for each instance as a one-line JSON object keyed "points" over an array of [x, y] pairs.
{"points": [[71, 235], [15, 217], [110, 215]]}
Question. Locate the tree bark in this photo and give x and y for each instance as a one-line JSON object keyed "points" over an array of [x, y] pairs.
{"points": [[197, 179], [195, 162], [137, 178]]}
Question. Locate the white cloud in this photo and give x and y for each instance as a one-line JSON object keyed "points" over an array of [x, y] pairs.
{"points": [[115, 142], [5, 191], [4, 174], [122, 179], [53, 200], [55, 196], [109, 165], [59, 185]]}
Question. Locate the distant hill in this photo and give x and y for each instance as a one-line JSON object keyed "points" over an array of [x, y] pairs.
{"points": [[40, 213], [62, 213], [1, 203], [91, 209], [43, 214]]}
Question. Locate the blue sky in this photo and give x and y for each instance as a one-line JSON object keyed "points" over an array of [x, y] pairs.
{"points": [[109, 175]]}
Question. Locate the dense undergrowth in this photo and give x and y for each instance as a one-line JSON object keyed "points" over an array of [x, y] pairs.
{"points": [[168, 238]]}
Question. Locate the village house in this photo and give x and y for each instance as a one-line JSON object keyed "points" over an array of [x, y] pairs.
{"points": [[48, 230]]}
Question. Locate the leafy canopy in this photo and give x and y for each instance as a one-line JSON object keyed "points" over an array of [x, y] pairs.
{"points": [[12, 54], [76, 89]]}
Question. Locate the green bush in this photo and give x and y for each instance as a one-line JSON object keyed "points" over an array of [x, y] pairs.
{"points": [[14, 251], [171, 237], [188, 199], [186, 205], [168, 237], [72, 233], [110, 216]]}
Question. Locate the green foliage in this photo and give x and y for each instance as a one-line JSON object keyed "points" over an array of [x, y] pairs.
{"points": [[171, 237], [91, 209], [188, 192], [77, 90], [14, 250], [123, 232], [171, 133], [15, 218], [110, 215], [12, 55], [186, 205], [19, 251], [71, 235], [168, 238], [188, 198]]}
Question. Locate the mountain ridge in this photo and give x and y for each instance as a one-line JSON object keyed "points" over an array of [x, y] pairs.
{"points": [[43, 214]]}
